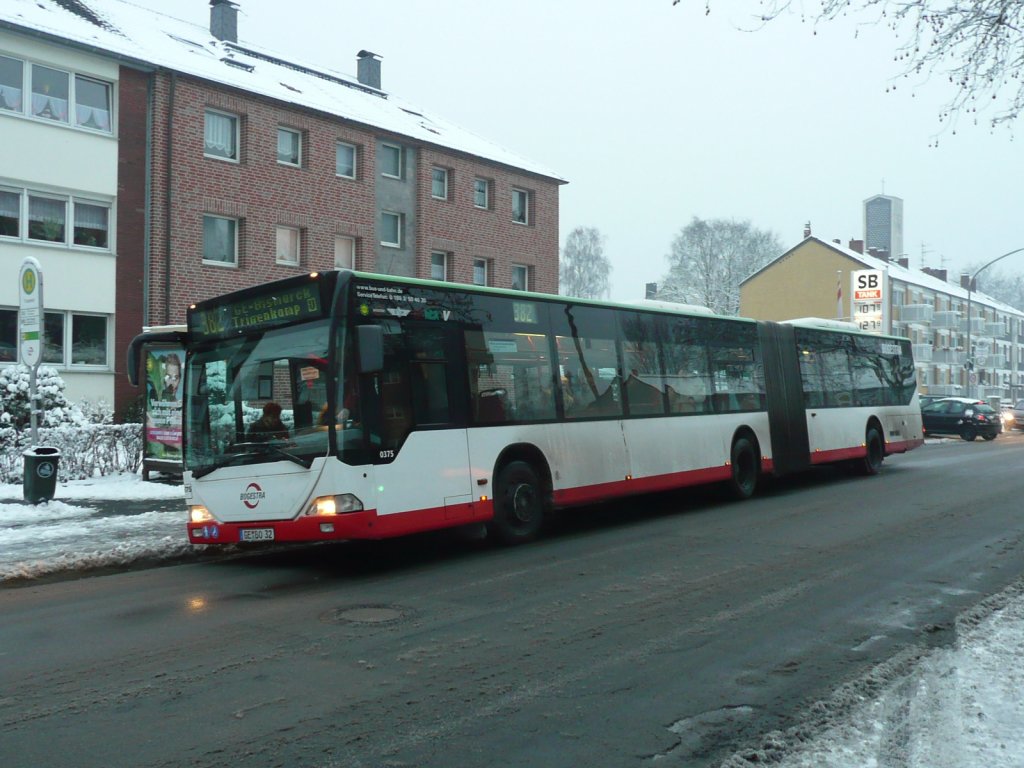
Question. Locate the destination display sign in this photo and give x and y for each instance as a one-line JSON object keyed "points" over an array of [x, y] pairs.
{"points": [[257, 312]]}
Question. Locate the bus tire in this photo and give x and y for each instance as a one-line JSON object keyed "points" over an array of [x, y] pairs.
{"points": [[874, 452], [746, 468], [518, 504]]}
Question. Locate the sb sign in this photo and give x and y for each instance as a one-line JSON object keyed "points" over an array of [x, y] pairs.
{"points": [[868, 303]]}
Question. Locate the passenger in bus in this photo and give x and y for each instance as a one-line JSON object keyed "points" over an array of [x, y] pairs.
{"points": [[269, 426]]}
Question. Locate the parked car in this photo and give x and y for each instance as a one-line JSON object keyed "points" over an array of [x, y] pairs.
{"points": [[1018, 414], [963, 416]]}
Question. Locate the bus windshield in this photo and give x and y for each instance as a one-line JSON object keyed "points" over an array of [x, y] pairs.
{"points": [[259, 398]]}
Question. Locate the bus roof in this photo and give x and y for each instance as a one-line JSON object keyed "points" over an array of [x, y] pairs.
{"points": [[645, 305]]}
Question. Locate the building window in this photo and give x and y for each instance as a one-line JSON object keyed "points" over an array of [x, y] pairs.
{"points": [[288, 240], [520, 206], [344, 252], [92, 223], [8, 335], [89, 336], [49, 93], [289, 147], [479, 271], [391, 229], [220, 240], [220, 136], [438, 265], [56, 95], [345, 160], [520, 277], [53, 338], [12, 82], [481, 193], [10, 213], [92, 103], [88, 340], [391, 161], [439, 184], [47, 219]]}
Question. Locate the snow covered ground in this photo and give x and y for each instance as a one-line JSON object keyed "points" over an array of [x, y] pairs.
{"points": [[955, 707], [114, 521], [959, 706]]}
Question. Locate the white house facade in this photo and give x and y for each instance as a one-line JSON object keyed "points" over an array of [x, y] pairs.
{"points": [[58, 204]]}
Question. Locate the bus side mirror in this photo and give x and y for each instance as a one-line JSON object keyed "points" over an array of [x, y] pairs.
{"points": [[371, 348]]}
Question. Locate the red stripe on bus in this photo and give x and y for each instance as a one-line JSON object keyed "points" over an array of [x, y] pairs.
{"points": [[590, 493]]}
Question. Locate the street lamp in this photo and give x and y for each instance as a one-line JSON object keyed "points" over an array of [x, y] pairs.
{"points": [[970, 287]]}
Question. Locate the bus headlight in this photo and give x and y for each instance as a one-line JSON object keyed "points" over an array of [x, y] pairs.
{"points": [[200, 514], [335, 505]]}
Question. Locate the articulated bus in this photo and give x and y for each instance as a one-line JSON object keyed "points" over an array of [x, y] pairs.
{"points": [[399, 405]]}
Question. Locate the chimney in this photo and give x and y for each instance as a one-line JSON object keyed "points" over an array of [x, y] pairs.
{"points": [[939, 273], [224, 20], [965, 281], [807, 229], [904, 262], [857, 245], [368, 69], [651, 291]]}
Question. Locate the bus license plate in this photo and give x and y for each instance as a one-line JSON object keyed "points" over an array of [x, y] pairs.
{"points": [[257, 534]]}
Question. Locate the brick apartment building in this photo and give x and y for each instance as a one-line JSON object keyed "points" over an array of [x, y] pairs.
{"points": [[235, 167]]}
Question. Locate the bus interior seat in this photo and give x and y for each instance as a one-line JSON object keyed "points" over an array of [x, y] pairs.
{"points": [[490, 407]]}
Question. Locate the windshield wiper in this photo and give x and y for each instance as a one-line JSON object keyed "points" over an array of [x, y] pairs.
{"points": [[242, 450]]}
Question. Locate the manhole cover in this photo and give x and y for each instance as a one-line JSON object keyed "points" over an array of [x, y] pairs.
{"points": [[367, 614]]}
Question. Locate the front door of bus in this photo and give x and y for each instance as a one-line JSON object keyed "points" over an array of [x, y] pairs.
{"points": [[424, 464]]}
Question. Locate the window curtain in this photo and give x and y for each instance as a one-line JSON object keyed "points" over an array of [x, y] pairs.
{"points": [[9, 204], [91, 216], [220, 135]]}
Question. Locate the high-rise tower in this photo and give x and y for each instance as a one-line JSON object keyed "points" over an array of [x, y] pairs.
{"points": [[883, 226]]}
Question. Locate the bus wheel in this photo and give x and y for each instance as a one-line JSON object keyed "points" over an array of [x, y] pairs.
{"points": [[745, 468], [874, 452], [518, 504]]}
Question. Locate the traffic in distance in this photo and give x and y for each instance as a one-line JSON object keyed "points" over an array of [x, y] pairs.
{"points": [[346, 405]]}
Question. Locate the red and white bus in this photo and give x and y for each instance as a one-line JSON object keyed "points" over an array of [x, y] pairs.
{"points": [[408, 405]]}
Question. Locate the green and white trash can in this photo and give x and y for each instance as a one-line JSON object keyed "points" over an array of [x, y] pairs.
{"points": [[40, 476]]}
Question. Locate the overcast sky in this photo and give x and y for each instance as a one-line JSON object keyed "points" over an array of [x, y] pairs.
{"points": [[657, 113]]}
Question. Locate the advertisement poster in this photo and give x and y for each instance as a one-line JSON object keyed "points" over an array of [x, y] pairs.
{"points": [[163, 402]]}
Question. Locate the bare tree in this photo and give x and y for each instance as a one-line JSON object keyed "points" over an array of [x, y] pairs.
{"points": [[1005, 287], [584, 270], [978, 44], [709, 259]]}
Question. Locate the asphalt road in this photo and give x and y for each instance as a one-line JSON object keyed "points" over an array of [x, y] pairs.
{"points": [[669, 631]]}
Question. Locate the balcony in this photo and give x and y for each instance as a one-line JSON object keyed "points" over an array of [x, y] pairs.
{"points": [[916, 313], [947, 319], [977, 326], [945, 390], [997, 330], [949, 356], [922, 353]]}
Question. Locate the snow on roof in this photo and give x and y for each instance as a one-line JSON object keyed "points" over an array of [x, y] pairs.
{"points": [[909, 276], [149, 37]]}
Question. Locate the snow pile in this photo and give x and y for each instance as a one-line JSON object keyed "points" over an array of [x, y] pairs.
{"points": [[956, 706], [130, 521]]}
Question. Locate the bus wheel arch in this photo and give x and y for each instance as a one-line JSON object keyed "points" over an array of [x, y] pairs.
{"points": [[522, 495], [874, 448], [745, 464]]}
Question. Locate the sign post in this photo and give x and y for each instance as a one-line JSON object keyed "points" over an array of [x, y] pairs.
{"points": [[30, 332]]}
